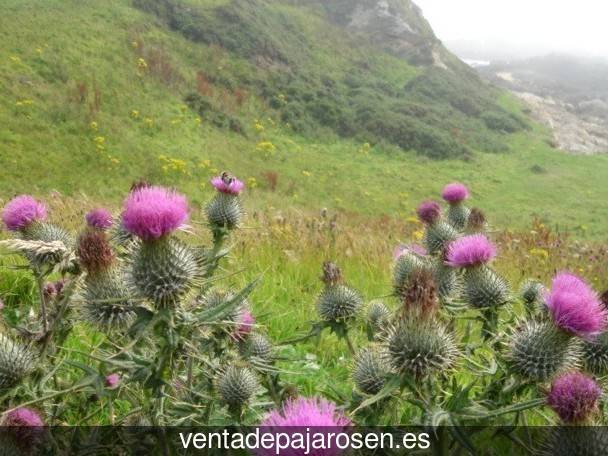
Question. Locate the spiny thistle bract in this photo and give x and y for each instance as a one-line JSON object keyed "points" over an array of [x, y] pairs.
{"points": [[16, 362], [538, 351], [106, 300], [224, 211], [47, 233], [370, 369], [216, 296], [236, 385], [446, 278], [438, 236], [483, 288], [407, 262], [378, 315], [531, 293], [420, 347], [256, 346], [595, 354], [164, 271], [337, 301]]}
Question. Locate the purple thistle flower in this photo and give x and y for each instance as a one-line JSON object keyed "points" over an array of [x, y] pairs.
{"points": [[429, 212], [22, 416], [468, 251], [153, 212], [112, 380], [574, 396], [455, 192], [245, 322], [227, 184], [311, 412], [21, 211], [402, 249], [99, 218], [575, 307], [300, 414]]}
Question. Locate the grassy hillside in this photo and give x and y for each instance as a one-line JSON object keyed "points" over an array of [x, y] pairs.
{"points": [[93, 97]]}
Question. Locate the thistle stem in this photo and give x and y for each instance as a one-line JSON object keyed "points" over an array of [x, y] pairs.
{"points": [[40, 283], [349, 343]]}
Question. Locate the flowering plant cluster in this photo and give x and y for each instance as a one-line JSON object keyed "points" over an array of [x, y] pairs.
{"points": [[452, 344]]}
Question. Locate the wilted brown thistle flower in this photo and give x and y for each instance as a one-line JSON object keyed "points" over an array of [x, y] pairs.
{"points": [[419, 294], [476, 221], [332, 275], [94, 251], [139, 184], [604, 299]]}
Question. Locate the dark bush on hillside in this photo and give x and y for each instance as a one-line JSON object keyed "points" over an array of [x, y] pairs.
{"points": [[503, 122], [208, 111]]}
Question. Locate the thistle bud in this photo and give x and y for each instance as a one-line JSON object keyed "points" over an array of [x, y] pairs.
{"points": [[16, 362], [256, 346], [595, 354], [420, 348], [458, 214], [531, 293], [106, 301], [483, 288], [406, 263], [539, 350], [438, 236], [236, 385], [378, 316], [224, 211], [370, 370]]}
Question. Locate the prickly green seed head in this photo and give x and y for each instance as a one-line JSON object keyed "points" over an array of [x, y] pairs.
{"points": [[404, 266], [378, 315], [483, 288], [94, 251], [538, 351], [470, 251], [438, 237], [455, 192], [338, 303], [22, 211], [574, 396], [107, 301], [226, 183], [531, 292], [595, 354], [575, 307], [429, 212], [256, 346], [99, 218], [164, 271], [224, 211], [420, 348], [154, 212], [236, 385], [370, 370], [16, 362], [446, 278]]}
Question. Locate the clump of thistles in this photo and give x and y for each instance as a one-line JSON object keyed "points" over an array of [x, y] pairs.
{"points": [[470, 251], [455, 193], [99, 218], [575, 307], [154, 212], [574, 397], [429, 212], [22, 211], [227, 184], [306, 412]]}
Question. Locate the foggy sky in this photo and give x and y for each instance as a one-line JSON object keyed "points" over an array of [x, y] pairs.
{"points": [[537, 26]]}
